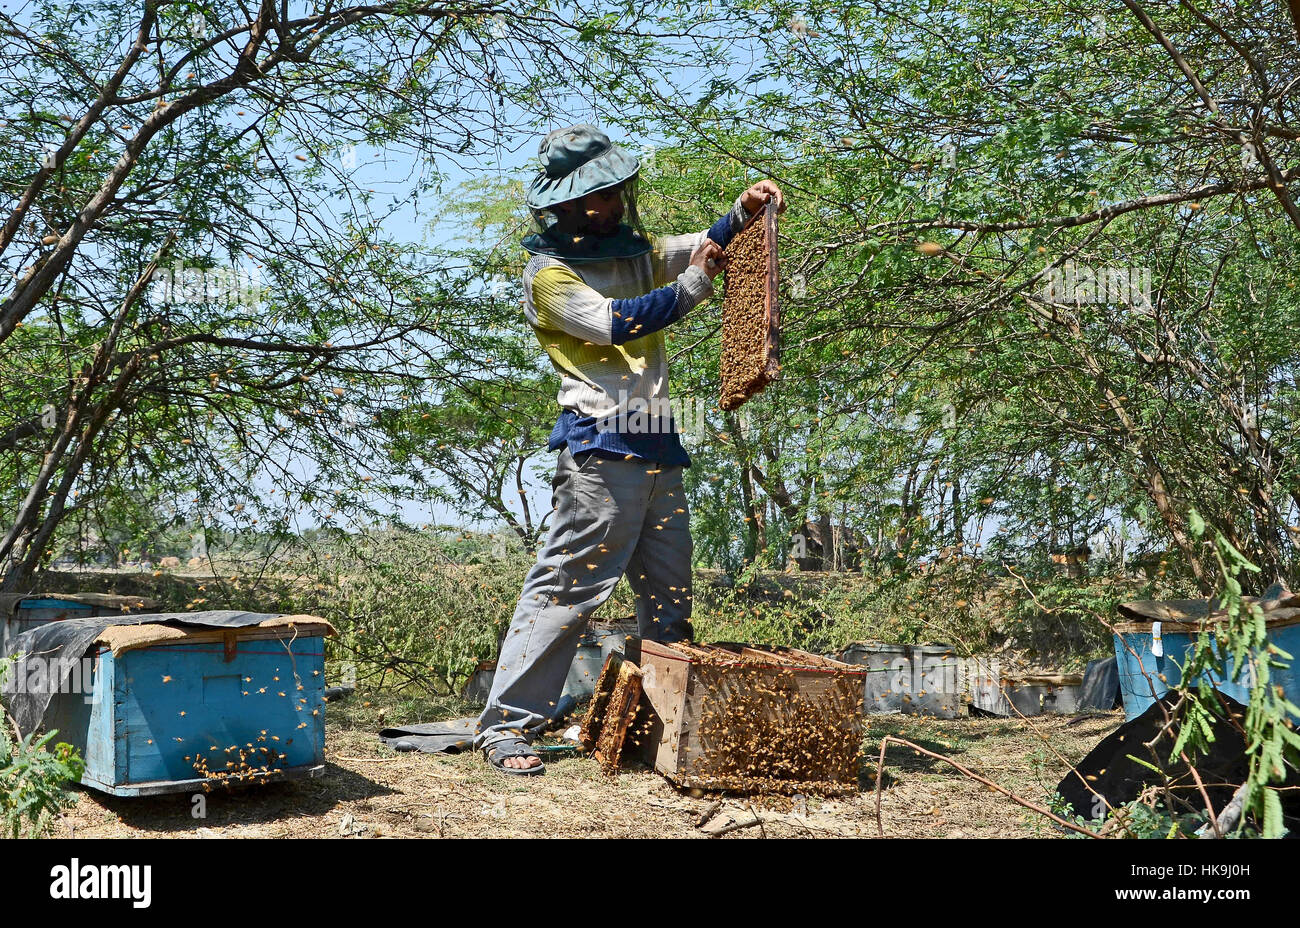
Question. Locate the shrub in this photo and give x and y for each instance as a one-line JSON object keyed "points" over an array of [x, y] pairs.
{"points": [[32, 777]]}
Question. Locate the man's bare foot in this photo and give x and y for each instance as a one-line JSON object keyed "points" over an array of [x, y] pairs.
{"points": [[521, 763]]}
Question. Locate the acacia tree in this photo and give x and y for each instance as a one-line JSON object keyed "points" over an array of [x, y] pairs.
{"points": [[1027, 145], [223, 139]]}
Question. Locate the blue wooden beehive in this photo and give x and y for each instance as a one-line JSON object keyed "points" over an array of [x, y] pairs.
{"points": [[22, 612], [1145, 675], [199, 708]]}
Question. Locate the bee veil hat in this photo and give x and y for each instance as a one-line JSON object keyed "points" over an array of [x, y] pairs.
{"points": [[576, 161]]}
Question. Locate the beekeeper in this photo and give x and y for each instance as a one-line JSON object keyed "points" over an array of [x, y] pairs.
{"points": [[598, 292]]}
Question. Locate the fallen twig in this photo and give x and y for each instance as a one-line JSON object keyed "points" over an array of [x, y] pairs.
{"points": [[708, 814], [736, 826]]}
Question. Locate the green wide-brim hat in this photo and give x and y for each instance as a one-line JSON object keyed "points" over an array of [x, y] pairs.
{"points": [[575, 162]]}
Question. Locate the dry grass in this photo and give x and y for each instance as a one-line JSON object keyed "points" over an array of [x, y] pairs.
{"points": [[369, 791], [925, 798]]}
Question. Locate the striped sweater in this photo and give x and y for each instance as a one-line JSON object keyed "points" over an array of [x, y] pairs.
{"points": [[602, 325]]}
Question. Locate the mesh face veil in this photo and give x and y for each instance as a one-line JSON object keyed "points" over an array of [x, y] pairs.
{"points": [[630, 216], [629, 240]]}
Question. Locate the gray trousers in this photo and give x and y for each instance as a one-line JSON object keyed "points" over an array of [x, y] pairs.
{"points": [[611, 517]]}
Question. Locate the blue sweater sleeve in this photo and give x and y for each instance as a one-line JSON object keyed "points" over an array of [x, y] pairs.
{"points": [[642, 315], [721, 231], [638, 316], [728, 224]]}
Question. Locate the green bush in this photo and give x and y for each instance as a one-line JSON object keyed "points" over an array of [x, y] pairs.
{"points": [[32, 777], [976, 608], [1272, 743]]}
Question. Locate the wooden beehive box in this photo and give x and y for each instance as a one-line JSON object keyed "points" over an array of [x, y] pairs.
{"points": [[21, 612], [1015, 694], [750, 719], [162, 710]]}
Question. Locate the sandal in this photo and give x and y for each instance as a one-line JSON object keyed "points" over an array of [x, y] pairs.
{"points": [[498, 751]]}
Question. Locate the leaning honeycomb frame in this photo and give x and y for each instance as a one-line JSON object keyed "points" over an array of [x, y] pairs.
{"points": [[751, 322]]}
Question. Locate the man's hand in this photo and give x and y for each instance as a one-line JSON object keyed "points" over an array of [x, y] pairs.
{"points": [[757, 195], [709, 258]]}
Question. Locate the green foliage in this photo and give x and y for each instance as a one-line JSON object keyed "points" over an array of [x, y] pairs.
{"points": [[32, 777], [1239, 650], [413, 609], [968, 605], [1143, 818], [1065, 621]]}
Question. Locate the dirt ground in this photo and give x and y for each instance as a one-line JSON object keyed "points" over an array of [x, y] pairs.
{"points": [[368, 791]]}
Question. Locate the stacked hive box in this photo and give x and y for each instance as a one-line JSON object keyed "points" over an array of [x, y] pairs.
{"points": [[750, 719], [913, 679], [1016, 694], [23, 612]]}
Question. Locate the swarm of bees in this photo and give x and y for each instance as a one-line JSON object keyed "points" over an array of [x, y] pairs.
{"points": [[749, 313], [761, 728], [246, 764], [752, 722], [260, 759]]}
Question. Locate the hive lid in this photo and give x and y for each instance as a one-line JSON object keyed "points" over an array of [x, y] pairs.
{"points": [[1277, 603], [120, 638], [874, 646], [9, 601], [871, 646], [750, 656], [1043, 678]]}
